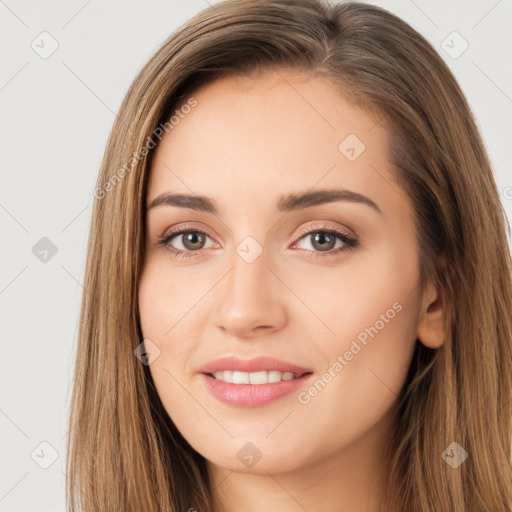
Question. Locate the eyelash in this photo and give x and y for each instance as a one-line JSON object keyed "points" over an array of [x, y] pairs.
{"points": [[349, 241]]}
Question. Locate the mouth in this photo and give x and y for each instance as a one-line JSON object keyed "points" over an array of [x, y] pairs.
{"points": [[252, 382], [255, 365], [258, 378], [253, 389]]}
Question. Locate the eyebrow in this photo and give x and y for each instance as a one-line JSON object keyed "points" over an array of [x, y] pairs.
{"points": [[286, 203]]}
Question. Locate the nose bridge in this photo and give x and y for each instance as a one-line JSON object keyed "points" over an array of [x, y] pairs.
{"points": [[249, 267], [250, 295]]}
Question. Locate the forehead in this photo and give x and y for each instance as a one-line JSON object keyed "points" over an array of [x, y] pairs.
{"points": [[248, 138]]}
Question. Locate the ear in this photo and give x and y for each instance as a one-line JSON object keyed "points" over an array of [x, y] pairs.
{"points": [[431, 331]]}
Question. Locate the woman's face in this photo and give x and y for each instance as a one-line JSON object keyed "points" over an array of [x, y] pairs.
{"points": [[328, 283]]}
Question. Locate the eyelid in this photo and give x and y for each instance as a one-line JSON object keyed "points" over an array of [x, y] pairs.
{"points": [[308, 229], [186, 227]]}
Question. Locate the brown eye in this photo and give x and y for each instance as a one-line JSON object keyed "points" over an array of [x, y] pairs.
{"points": [[193, 240], [186, 242], [190, 240], [323, 241]]}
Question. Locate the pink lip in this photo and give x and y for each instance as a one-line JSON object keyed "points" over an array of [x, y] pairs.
{"points": [[252, 365], [252, 395]]}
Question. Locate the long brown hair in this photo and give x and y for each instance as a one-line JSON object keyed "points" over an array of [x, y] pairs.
{"points": [[124, 453]]}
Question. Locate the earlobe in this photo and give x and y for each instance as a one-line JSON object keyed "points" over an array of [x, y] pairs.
{"points": [[431, 331]]}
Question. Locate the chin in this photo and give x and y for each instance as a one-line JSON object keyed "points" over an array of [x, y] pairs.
{"points": [[258, 458]]}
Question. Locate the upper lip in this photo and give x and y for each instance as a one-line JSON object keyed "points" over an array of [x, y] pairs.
{"points": [[252, 365]]}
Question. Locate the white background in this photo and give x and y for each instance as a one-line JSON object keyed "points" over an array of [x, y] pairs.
{"points": [[56, 116]]}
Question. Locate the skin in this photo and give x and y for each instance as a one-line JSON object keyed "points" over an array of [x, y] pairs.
{"points": [[246, 143]]}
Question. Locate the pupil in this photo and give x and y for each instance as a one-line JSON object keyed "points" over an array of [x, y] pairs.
{"points": [[193, 239], [321, 239]]}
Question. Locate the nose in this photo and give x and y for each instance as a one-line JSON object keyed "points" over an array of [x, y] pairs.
{"points": [[252, 299]]}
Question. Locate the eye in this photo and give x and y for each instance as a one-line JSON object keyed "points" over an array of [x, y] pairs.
{"points": [[190, 239], [323, 241]]}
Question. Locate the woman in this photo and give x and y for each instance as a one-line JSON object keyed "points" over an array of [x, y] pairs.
{"points": [[298, 286]]}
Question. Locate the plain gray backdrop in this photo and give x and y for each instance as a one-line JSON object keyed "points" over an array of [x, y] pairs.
{"points": [[66, 66]]}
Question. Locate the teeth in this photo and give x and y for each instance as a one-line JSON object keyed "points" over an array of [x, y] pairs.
{"points": [[240, 378], [262, 377]]}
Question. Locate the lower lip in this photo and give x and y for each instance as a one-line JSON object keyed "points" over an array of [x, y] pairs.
{"points": [[252, 395]]}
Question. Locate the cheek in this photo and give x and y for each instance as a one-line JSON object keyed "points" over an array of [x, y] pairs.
{"points": [[365, 362], [166, 309], [165, 299], [372, 295], [150, 294], [369, 311]]}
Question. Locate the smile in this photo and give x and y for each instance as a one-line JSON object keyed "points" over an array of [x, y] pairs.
{"points": [[257, 378], [247, 394]]}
